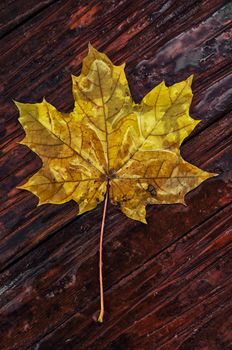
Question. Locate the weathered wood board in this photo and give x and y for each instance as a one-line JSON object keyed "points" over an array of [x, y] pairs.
{"points": [[168, 284]]}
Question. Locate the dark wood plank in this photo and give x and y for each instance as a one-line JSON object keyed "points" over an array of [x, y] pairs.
{"points": [[13, 13], [162, 304], [13, 155], [22, 227], [70, 255], [61, 279], [168, 284]]}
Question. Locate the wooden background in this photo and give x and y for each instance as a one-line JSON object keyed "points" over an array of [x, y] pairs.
{"points": [[168, 284]]}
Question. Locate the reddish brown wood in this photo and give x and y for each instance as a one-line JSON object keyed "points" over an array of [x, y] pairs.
{"points": [[168, 284]]}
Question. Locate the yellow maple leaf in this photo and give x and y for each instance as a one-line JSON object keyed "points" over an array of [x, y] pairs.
{"points": [[108, 143]]}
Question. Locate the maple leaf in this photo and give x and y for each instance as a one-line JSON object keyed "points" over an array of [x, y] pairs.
{"points": [[109, 145]]}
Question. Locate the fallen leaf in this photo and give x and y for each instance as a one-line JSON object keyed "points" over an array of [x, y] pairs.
{"points": [[110, 139], [110, 143]]}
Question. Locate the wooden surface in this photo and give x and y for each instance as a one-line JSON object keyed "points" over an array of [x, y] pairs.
{"points": [[168, 284]]}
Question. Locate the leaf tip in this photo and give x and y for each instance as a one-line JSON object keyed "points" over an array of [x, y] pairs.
{"points": [[213, 174], [90, 46], [17, 104], [189, 80], [163, 83], [184, 203], [74, 78], [23, 187], [143, 220], [40, 201]]}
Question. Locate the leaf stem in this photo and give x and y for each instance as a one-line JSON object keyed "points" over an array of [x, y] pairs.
{"points": [[101, 315]]}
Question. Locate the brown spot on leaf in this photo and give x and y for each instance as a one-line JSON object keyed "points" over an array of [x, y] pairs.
{"points": [[151, 189]]}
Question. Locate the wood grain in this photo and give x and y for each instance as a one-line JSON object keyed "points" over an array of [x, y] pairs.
{"points": [[168, 283], [15, 13]]}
